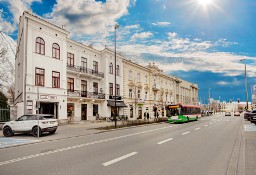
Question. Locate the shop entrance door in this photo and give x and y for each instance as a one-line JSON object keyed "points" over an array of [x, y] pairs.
{"points": [[114, 111], [140, 113], [84, 111]]}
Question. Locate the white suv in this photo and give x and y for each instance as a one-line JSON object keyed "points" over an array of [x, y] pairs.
{"points": [[29, 124]]}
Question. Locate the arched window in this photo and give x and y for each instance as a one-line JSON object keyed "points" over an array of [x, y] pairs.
{"points": [[117, 70], [40, 46], [55, 51], [111, 68]]}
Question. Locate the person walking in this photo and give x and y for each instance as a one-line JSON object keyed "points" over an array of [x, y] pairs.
{"points": [[147, 116]]}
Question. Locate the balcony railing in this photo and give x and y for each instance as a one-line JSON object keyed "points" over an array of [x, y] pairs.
{"points": [[85, 70], [86, 94]]}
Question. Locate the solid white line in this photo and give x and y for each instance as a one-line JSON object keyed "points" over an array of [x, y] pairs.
{"points": [[197, 128], [167, 140], [119, 159], [185, 133]]}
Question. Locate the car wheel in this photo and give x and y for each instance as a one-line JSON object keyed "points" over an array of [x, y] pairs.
{"points": [[52, 132], [7, 132], [34, 131]]}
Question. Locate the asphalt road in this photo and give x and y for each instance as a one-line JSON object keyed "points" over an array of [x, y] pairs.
{"points": [[204, 147]]}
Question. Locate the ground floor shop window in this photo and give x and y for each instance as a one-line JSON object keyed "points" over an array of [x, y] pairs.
{"points": [[131, 111], [140, 113], [84, 111], [70, 111], [114, 111], [95, 110]]}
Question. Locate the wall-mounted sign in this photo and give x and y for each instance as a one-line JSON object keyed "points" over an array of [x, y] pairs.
{"points": [[44, 96]]}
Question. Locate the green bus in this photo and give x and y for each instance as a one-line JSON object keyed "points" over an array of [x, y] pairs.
{"points": [[179, 113]]}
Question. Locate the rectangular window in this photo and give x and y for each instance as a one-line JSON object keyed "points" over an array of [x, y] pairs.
{"points": [[39, 77], [130, 93], [84, 64], [146, 79], [138, 93], [117, 89], [84, 88], [95, 66], [95, 88], [138, 77], [110, 88], [55, 79], [70, 84], [130, 75], [70, 60], [95, 110]]}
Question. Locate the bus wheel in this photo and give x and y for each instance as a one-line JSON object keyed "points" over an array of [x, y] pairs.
{"points": [[187, 119], [196, 117]]}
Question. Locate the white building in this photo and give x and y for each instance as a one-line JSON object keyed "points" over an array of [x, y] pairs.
{"points": [[148, 89], [73, 79], [76, 82]]}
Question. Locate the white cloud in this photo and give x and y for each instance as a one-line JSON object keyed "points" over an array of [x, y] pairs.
{"points": [[16, 7], [171, 35], [235, 82], [142, 35], [161, 23], [136, 26], [90, 16]]}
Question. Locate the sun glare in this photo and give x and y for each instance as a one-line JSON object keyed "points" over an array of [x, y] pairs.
{"points": [[204, 2]]}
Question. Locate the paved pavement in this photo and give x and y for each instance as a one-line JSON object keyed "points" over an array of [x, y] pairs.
{"points": [[63, 132]]}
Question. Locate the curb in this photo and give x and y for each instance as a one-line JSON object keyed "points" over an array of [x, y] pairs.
{"points": [[236, 163]]}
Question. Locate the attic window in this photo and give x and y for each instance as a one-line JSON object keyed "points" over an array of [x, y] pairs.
{"points": [[56, 34], [40, 28]]}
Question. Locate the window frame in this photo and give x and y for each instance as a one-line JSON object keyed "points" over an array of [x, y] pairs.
{"points": [[55, 78], [95, 66], [117, 89], [111, 89], [70, 59], [39, 44], [70, 84], [56, 51], [117, 70], [95, 88], [111, 68], [38, 75]]}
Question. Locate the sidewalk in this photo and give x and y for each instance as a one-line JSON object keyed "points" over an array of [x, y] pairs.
{"points": [[68, 131]]}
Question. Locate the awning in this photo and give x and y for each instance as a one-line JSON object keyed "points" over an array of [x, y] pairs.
{"points": [[118, 103]]}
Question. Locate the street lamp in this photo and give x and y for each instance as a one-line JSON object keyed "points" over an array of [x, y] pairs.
{"points": [[209, 99], [245, 82], [116, 27]]}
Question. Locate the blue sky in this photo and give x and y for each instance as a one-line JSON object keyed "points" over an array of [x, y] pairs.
{"points": [[201, 41]]}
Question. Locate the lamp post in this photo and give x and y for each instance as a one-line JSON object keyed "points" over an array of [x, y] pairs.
{"points": [[209, 99], [245, 82], [116, 27]]}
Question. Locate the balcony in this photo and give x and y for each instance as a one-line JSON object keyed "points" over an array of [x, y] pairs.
{"points": [[86, 94], [83, 70], [156, 87]]}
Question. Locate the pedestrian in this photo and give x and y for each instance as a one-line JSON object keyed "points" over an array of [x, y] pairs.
{"points": [[145, 115], [148, 116]]}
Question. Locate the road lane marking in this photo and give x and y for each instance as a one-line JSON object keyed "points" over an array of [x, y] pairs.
{"points": [[205, 125], [185, 133], [119, 159], [79, 146], [197, 128], [210, 123], [167, 140]]}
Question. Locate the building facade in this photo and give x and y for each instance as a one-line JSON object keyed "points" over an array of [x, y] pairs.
{"points": [[148, 90], [74, 82]]}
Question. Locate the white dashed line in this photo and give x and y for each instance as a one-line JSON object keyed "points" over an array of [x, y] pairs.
{"points": [[197, 129], [119, 159], [205, 125], [167, 140], [79, 146], [210, 123], [185, 133]]}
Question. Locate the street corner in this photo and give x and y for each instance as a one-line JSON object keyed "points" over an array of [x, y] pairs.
{"points": [[10, 142]]}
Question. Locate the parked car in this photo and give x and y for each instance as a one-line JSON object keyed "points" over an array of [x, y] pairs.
{"points": [[29, 124], [237, 113], [227, 113], [253, 119], [249, 114]]}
